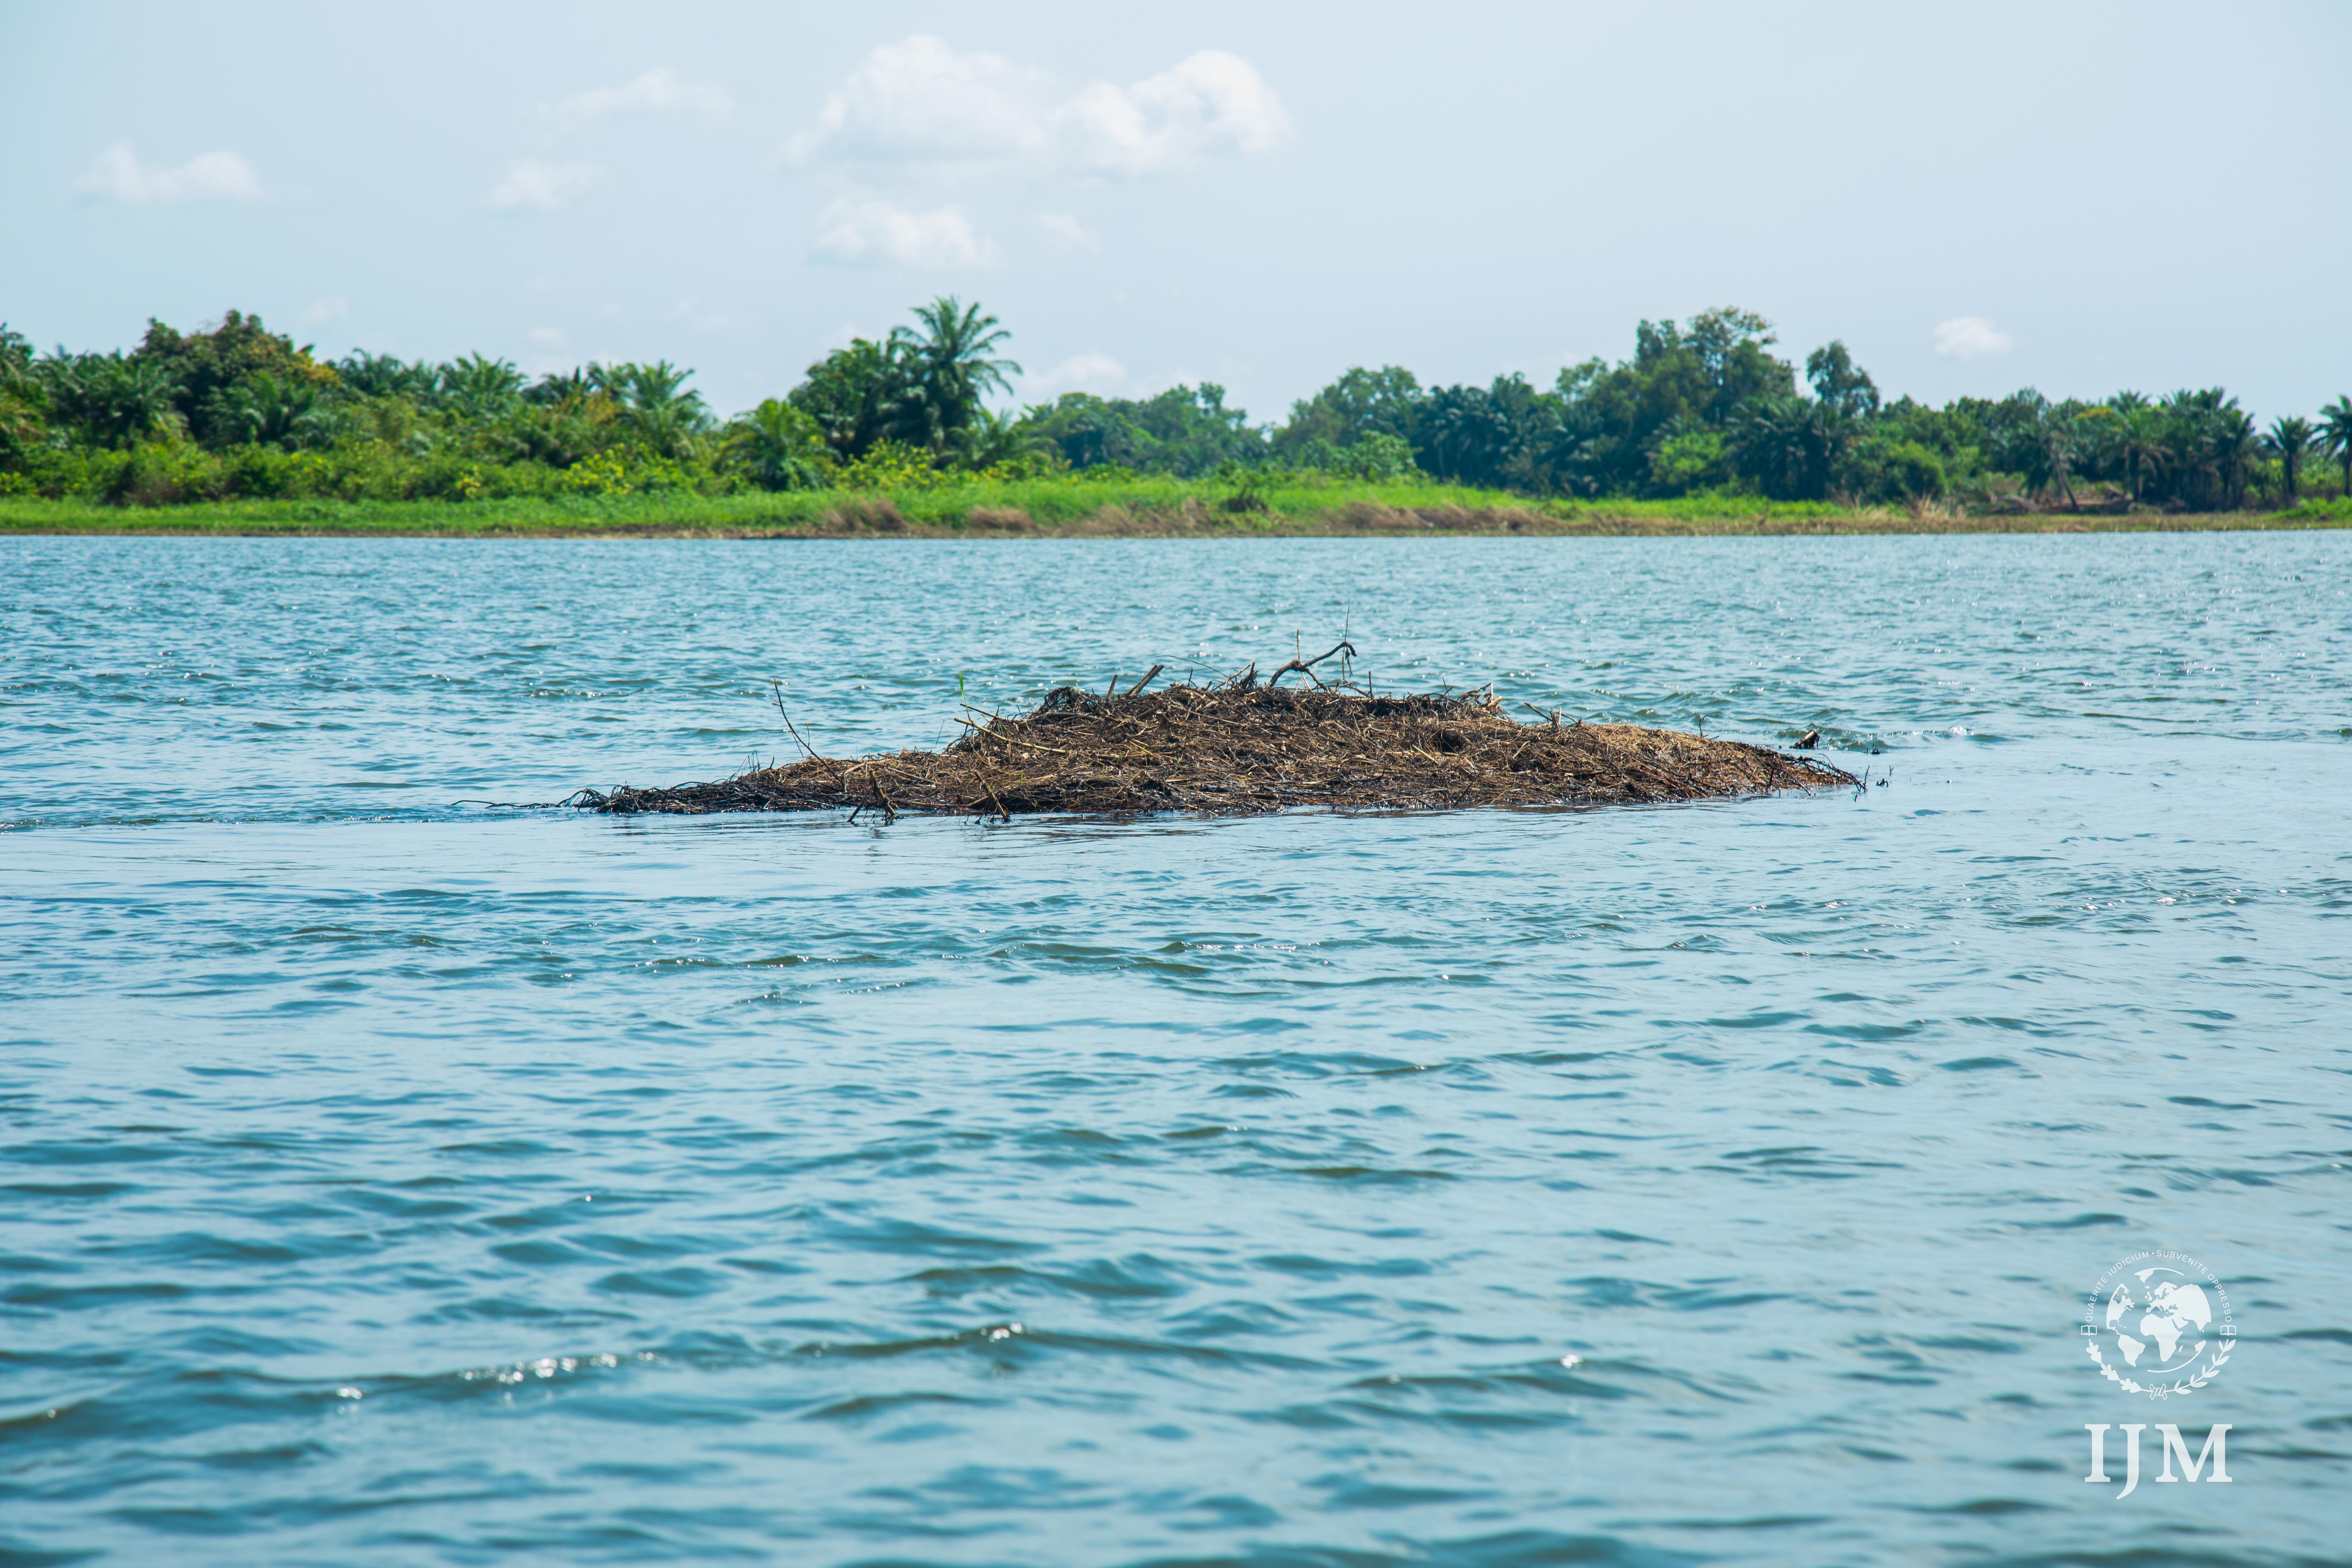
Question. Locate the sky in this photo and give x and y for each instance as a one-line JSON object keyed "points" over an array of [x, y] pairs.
{"points": [[2080, 197]]}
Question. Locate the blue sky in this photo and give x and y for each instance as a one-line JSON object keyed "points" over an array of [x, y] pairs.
{"points": [[2081, 197]]}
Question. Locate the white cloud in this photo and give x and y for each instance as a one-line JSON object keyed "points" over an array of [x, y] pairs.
{"points": [[542, 187], [1966, 337], [318, 312], [1096, 373], [659, 91], [919, 101], [1068, 230], [547, 338], [1211, 102], [208, 176], [877, 234]]}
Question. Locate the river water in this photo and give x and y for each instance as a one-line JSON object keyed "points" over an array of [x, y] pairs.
{"points": [[387, 1180]]}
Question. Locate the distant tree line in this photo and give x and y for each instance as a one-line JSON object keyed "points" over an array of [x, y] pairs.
{"points": [[1702, 408]]}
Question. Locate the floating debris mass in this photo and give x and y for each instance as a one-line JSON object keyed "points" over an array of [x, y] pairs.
{"points": [[1243, 746]]}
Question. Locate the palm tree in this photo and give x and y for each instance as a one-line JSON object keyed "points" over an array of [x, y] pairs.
{"points": [[2237, 445], [954, 363], [270, 411], [855, 393], [655, 404], [2060, 444], [16, 357], [2191, 438], [480, 387], [782, 447], [2336, 435], [1780, 443], [2141, 442], [570, 389], [24, 401], [384, 375], [2287, 441], [1474, 435], [118, 400], [992, 439], [644, 387]]}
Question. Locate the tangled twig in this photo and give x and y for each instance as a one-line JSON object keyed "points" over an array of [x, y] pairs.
{"points": [[1305, 667]]}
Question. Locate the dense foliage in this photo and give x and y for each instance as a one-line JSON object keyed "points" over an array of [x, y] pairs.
{"points": [[1706, 408]]}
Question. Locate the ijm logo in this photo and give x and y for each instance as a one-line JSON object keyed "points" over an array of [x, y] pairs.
{"points": [[2217, 1449], [2155, 1329]]}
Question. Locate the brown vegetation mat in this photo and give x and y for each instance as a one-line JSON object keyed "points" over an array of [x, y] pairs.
{"points": [[1241, 747]]}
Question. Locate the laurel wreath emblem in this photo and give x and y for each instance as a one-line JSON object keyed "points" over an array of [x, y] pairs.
{"points": [[2197, 1379]]}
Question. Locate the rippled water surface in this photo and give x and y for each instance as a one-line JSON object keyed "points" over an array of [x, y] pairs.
{"points": [[387, 1180]]}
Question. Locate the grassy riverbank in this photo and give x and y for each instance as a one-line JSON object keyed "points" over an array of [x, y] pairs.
{"points": [[1059, 508]]}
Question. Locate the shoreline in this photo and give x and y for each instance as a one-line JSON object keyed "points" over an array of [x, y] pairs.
{"points": [[876, 517]]}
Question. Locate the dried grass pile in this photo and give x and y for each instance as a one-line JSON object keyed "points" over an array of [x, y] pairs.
{"points": [[1241, 747]]}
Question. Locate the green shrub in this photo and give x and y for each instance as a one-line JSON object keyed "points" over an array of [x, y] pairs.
{"points": [[165, 473], [1912, 472], [1378, 457], [1693, 460]]}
